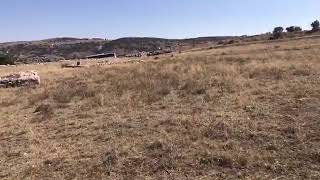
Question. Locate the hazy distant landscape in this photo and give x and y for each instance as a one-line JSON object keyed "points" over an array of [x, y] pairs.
{"points": [[56, 49], [71, 48]]}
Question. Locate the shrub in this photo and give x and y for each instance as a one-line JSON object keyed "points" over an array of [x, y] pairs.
{"points": [[292, 29], [6, 59], [277, 32], [315, 25]]}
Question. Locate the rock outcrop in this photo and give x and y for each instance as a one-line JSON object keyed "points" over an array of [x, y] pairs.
{"points": [[30, 78]]}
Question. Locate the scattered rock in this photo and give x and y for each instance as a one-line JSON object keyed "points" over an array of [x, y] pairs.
{"points": [[30, 78], [43, 108], [72, 65], [110, 159]]}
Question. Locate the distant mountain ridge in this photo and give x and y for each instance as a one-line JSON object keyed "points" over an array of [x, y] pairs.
{"points": [[55, 49]]}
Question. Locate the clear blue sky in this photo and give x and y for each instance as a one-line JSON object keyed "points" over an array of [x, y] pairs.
{"points": [[39, 19]]}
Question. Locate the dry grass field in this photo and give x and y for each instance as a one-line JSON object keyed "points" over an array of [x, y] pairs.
{"points": [[239, 112]]}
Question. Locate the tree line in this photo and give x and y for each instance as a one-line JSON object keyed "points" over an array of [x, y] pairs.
{"points": [[278, 31]]}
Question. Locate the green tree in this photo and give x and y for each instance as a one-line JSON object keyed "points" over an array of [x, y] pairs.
{"points": [[277, 32], [315, 25], [6, 59], [292, 29]]}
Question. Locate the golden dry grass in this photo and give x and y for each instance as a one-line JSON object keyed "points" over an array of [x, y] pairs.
{"points": [[245, 112]]}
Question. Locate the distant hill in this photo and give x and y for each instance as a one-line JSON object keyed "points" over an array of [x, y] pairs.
{"points": [[55, 49]]}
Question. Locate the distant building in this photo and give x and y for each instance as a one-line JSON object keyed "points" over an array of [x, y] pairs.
{"points": [[104, 55]]}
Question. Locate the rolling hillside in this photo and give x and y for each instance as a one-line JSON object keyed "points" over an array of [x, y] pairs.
{"points": [[51, 50], [249, 111]]}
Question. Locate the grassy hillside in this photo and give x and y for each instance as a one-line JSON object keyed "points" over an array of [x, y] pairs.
{"points": [[51, 50], [239, 112]]}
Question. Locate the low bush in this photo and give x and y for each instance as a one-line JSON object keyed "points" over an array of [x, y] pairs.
{"points": [[6, 59]]}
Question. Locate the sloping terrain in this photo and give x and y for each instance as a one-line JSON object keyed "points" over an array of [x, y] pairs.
{"points": [[51, 50], [239, 112]]}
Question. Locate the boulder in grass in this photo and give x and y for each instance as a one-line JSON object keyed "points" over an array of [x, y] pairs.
{"points": [[30, 78]]}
